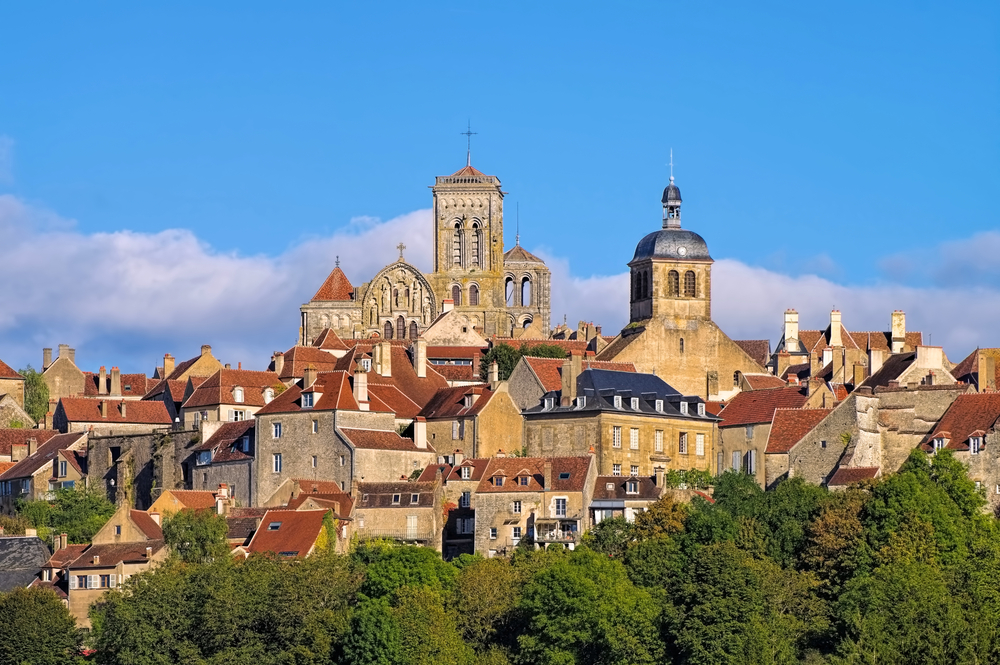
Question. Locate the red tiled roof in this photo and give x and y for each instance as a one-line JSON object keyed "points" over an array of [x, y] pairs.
{"points": [[454, 474], [647, 488], [112, 553], [311, 486], [76, 459], [225, 441], [534, 467], [456, 372], [970, 413], [132, 385], [336, 287], [379, 440], [760, 381], [379, 495], [801, 370], [10, 436], [7, 372], [854, 474], [88, 410], [790, 425], [758, 406], [758, 349], [218, 388], [714, 408], [549, 370], [4, 466], [450, 402], [294, 535], [298, 358], [194, 499], [467, 170], [45, 453], [66, 555], [340, 500], [518, 253], [146, 524], [328, 340]]}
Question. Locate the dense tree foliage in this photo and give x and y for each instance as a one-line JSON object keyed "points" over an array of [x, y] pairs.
{"points": [[197, 536], [36, 394], [507, 357], [899, 570], [37, 629], [79, 512]]}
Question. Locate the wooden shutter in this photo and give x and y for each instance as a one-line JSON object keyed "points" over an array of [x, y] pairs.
{"points": [[72, 581], [114, 581]]}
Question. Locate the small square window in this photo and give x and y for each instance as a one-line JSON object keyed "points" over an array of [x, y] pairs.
{"points": [[616, 470], [395, 499], [414, 498], [564, 475], [516, 532], [493, 533], [364, 498], [523, 480], [498, 481], [307, 400]]}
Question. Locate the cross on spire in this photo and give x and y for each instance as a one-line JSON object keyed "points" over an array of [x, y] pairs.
{"points": [[338, 261], [671, 165], [400, 247], [468, 134]]}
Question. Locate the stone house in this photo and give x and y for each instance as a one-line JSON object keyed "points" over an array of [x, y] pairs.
{"points": [[13, 415], [17, 438], [746, 425], [789, 427], [173, 501], [229, 395], [109, 416], [475, 418], [615, 496], [635, 423], [408, 512], [62, 376], [533, 377], [11, 383], [292, 534], [460, 365], [225, 458], [969, 428], [459, 478], [543, 500], [35, 475], [291, 365], [203, 365]]}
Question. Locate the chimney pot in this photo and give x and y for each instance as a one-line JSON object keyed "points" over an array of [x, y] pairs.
{"points": [[168, 365], [46, 358], [279, 362], [149, 552], [116, 382]]}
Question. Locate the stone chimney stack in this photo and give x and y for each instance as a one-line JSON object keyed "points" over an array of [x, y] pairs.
{"points": [[206, 350], [791, 331], [168, 365], [279, 362], [121, 407], [459, 456], [571, 369], [361, 387], [835, 324], [32, 446], [987, 372], [839, 375], [494, 374], [447, 305], [898, 331], [63, 541], [308, 376], [116, 382], [64, 351], [156, 517], [385, 359], [658, 476], [102, 381], [18, 451], [46, 358], [420, 432], [548, 475], [859, 374], [875, 360], [420, 358]]}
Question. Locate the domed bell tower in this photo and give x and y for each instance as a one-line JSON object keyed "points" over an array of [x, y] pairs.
{"points": [[671, 271]]}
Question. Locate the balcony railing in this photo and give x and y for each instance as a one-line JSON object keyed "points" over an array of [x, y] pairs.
{"points": [[398, 534]]}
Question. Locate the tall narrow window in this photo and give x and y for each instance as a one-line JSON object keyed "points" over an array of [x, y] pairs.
{"points": [[636, 286], [414, 333], [401, 328], [456, 246], [456, 294], [388, 330], [476, 246], [673, 283], [645, 285], [526, 292], [690, 289], [509, 291], [682, 345], [473, 295]]}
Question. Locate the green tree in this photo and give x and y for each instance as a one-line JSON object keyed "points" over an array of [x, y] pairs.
{"points": [[80, 512], [428, 632], [389, 567], [507, 357], [197, 536], [374, 638], [36, 394], [584, 609], [486, 594], [611, 536], [663, 517], [37, 629]]}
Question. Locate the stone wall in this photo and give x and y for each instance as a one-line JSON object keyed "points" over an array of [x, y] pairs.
{"points": [[735, 439], [813, 461], [14, 388], [499, 426], [298, 446], [137, 467], [237, 475], [524, 387], [984, 468]]}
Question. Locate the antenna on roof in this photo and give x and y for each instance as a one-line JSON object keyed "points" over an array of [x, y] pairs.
{"points": [[517, 238], [468, 134], [337, 262], [671, 165]]}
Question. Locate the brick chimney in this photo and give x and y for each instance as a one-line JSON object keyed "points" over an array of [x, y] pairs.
{"points": [[420, 432], [116, 382], [791, 331], [548, 475], [279, 362], [102, 381], [898, 331], [835, 324], [168, 365], [46, 358], [420, 358]]}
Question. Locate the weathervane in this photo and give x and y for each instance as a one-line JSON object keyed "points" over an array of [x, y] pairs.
{"points": [[338, 261], [468, 134], [400, 247]]}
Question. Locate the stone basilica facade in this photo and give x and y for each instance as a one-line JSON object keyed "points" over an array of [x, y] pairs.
{"points": [[499, 293]]}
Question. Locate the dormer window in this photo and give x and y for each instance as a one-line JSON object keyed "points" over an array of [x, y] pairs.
{"points": [[468, 401], [307, 400], [635, 403], [523, 480], [204, 457], [366, 364], [684, 408], [466, 472], [609, 487], [618, 401], [975, 445], [395, 499], [659, 405], [245, 444], [581, 401], [701, 408], [498, 481], [238, 395], [550, 403], [938, 444], [632, 487]]}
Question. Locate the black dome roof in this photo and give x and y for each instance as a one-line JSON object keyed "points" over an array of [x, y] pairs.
{"points": [[671, 193], [677, 244]]}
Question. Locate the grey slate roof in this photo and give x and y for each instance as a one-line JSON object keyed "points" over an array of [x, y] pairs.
{"points": [[21, 559], [676, 244]]}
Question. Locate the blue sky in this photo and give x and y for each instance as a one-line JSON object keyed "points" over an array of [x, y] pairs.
{"points": [[856, 142]]}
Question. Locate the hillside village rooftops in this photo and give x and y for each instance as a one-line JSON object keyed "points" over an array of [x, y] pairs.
{"points": [[758, 349], [569, 474], [132, 385], [789, 426], [476, 467], [398, 494], [329, 340], [227, 442], [20, 435], [7, 372], [610, 488], [298, 358], [21, 557], [221, 388], [457, 402], [549, 370], [45, 453], [970, 415], [288, 533], [848, 475], [379, 440], [758, 406], [136, 412], [335, 287]]}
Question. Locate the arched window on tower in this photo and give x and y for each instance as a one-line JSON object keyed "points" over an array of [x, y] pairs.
{"points": [[682, 345], [401, 328], [645, 285], [395, 297], [526, 322], [477, 246], [673, 283], [414, 333], [388, 330], [636, 286], [509, 291], [690, 285], [473, 295], [456, 246], [526, 292], [456, 294]]}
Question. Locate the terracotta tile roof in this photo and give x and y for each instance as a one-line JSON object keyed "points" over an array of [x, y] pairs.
{"points": [[619, 485], [340, 502], [758, 349], [457, 372], [549, 370], [714, 408], [88, 410], [534, 468], [454, 473], [467, 170], [147, 524], [45, 453], [194, 499], [520, 254], [380, 495], [967, 366], [970, 414], [890, 370], [242, 527], [7, 372], [758, 406], [227, 442], [379, 440], [328, 340], [133, 385], [968, 370], [10, 436], [839, 391], [801, 371], [450, 402], [298, 358], [336, 287], [65, 556], [288, 533], [334, 387], [111, 554], [4, 466], [218, 388], [761, 381], [464, 352], [310, 486], [854, 474], [790, 425]]}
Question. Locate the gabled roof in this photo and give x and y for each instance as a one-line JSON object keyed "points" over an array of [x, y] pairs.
{"points": [[298, 358], [288, 533], [518, 254], [335, 287], [380, 495], [972, 414], [339, 502], [194, 499], [111, 554], [7, 372], [467, 170], [379, 440], [10, 436], [758, 406], [218, 388], [21, 557], [569, 474], [789, 426], [65, 556], [132, 385], [45, 453], [334, 388], [762, 381], [225, 442], [451, 473], [854, 474], [88, 410], [76, 459], [146, 524], [450, 402], [891, 369], [758, 349], [549, 370], [329, 340], [647, 489]]}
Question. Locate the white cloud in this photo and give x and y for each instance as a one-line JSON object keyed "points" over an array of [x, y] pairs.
{"points": [[125, 298]]}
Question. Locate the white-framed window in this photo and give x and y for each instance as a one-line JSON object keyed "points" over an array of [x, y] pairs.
{"points": [[515, 507], [658, 441], [616, 436], [268, 395], [633, 438], [550, 403], [414, 498], [276, 462], [466, 472], [634, 471], [307, 400], [343, 460], [938, 444], [395, 499], [701, 408], [635, 403], [238, 395], [454, 430], [975, 443], [314, 461], [561, 507], [684, 408], [659, 405], [699, 444], [581, 401], [62, 468], [315, 426], [616, 469], [493, 533], [632, 487], [465, 500], [682, 443], [366, 364], [618, 401], [276, 430], [237, 415], [515, 533]]}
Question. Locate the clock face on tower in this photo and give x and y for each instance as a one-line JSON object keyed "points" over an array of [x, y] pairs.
{"points": [[682, 251]]}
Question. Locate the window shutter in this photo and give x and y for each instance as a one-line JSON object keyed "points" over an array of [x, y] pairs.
{"points": [[114, 580], [231, 415], [72, 581], [93, 581]]}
